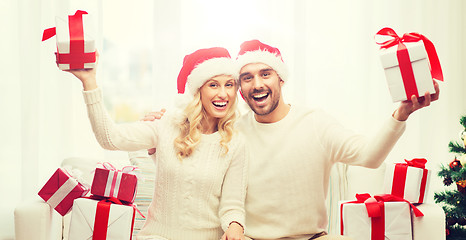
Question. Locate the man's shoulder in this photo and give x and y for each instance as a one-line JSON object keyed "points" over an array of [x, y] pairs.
{"points": [[302, 111], [244, 120]]}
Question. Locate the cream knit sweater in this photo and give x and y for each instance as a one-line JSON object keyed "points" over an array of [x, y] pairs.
{"points": [[290, 167], [190, 195]]}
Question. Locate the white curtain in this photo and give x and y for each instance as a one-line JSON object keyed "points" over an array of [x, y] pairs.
{"points": [[43, 116], [328, 45]]}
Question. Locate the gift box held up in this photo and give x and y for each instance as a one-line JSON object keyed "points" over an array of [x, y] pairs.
{"points": [[377, 218], [61, 190], [100, 220], [408, 180], [410, 63], [75, 41], [111, 182]]}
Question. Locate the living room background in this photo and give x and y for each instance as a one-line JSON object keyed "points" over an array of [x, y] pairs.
{"points": [[328, 45]]}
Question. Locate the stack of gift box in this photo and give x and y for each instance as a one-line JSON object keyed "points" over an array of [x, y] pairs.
{"points": [[400, 212], [108, 213], [410, 64]]}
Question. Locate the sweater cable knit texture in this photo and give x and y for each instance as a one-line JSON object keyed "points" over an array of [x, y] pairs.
{"points": [[290, 167], [196, 198]]}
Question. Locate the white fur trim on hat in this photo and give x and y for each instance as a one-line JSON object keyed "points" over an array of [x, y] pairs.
{"points": [[208, 69], [262, 56]]}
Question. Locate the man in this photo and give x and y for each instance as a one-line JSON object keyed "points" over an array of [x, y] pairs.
{"points": [[293, 149]]}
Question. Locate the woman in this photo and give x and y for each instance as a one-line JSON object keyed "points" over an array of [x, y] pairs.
{"points": [[202, 162]]}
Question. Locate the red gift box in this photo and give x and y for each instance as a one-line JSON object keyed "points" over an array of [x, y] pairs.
{"points": [[111, 182], [61, 190]]}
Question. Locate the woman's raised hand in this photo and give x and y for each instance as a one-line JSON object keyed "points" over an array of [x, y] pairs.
{"points": [[87, 76]]}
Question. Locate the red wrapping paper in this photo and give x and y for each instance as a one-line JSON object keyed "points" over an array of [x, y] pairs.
{"points": [[61, 190], [114, 183]]}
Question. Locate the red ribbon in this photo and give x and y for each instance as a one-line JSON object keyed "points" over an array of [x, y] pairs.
{"points": [[404, 60], [417, 162], [77, 57], [126, 169], [376, 211], [399, 177], [102, 215]]}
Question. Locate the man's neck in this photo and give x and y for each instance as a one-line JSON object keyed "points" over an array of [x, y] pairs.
{"points": [[276, 115]]}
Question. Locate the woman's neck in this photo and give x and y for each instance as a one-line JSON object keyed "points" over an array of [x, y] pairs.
{"points": [[209, 125]]}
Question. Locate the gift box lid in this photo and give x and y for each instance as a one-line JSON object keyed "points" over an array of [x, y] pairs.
{"points": [[416, 52]]}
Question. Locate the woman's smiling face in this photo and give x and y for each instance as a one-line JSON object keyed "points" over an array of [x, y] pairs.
{"points": [[217, 95]]}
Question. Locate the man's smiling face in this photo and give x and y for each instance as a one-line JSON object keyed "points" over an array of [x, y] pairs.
{"points": [[261, 87]]}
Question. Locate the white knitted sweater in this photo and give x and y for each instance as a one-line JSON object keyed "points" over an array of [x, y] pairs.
{"points": [[190, 195], [290, 168]]}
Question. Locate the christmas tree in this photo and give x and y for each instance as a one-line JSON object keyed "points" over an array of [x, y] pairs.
{"points": [[454, 201]]}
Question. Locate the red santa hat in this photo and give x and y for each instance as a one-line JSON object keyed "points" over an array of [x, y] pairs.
{"points": [[254, 51], [202, 65]]}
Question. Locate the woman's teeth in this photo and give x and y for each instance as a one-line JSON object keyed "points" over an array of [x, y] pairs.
{"points": [[220, 104]]}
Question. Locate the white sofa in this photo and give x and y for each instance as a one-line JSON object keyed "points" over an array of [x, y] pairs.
{"points": [[36, 220]]}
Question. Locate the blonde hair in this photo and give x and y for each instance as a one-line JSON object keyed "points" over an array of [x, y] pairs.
{"points": [[191, 127]]}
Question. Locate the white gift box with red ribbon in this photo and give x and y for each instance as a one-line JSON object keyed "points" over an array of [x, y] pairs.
{"points": [[100, 220], [419, 64], [410, 63], [377, 218], [111, 182], [75, 41], [409, 180]]}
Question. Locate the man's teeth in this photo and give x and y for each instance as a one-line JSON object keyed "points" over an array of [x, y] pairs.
{"points": [[220, 104], [260, 95]]}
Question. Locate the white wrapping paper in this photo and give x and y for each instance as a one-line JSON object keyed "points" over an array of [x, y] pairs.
{"points": [[83, 217], [357, 223], [63, 37], [413, 181], [419, 63], [431, 225]]}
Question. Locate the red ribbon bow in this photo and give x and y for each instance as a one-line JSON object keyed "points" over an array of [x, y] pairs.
{"points": [[404, 60], [126, 169], [417, 162], [376, 211], [77, 57], [369, 202]]}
